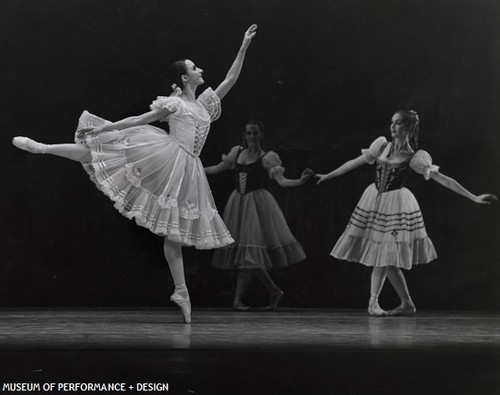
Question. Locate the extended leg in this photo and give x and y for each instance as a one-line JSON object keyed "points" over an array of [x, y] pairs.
{"points": [[275, 294], [398, 281], [173, 254], [76, 152], [379, 275], [244, 277]]}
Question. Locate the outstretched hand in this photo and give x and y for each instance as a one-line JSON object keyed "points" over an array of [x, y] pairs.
{"points": [[321, 178], [487, 198], [306, 175], [249, 34]]}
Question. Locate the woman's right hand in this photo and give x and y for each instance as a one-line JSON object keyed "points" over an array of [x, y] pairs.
{"points": [[321, 178], [249, 34], [487, 198]]}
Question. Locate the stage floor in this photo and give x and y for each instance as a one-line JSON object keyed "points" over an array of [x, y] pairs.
{"points": [[288, 351]]}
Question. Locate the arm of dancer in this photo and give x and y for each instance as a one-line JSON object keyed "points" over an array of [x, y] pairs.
{"points": [[422, 164], [272, 163], [234, 71], [137, 120], [227, 163], [345, 168], [306, 175], [219, 168], [450, 183]]}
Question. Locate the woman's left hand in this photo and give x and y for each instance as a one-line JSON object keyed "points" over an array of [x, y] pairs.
{"points": [[487, 198], [249, 34], [80, 133]]}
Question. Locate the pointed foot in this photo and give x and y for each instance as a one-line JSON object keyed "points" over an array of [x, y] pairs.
{"points": [[185, 306], [27, 144]]}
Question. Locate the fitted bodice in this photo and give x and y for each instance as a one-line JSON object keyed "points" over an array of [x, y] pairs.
{"points": [[249, 177], [391, 174], [190, 127], [189, 122]]}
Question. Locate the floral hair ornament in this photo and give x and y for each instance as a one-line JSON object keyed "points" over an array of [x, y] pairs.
{"points": [[414, 129], [176, 91], [415, 115]]}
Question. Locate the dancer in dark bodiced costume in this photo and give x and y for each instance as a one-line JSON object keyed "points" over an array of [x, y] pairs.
{"points": [[386, 230]]}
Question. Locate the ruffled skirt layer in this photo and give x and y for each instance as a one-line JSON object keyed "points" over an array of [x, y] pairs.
{"points": [[262, 237], [386, 229], [153, 180]]}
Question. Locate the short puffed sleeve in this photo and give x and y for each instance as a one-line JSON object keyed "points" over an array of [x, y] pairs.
{"points": [[272, 163], [372, 153], [170, 103], [422, 164], [211, 102], [230, 158]]}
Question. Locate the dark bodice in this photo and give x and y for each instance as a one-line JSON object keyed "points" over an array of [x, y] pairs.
{"points": [[249, 177], [389, 177]]}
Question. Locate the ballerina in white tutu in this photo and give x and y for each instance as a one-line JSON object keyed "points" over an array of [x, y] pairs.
{"points": [[157, 177], [386, 230]]}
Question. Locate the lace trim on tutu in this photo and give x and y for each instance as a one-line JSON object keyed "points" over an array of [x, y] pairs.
{"points": [[174, 223], [165, 102]]}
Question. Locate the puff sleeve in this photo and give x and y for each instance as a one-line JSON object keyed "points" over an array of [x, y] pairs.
{"points": [[422, 164], [230, 158], [170, 103], [372, 153], [211, 102], [272, 163]]}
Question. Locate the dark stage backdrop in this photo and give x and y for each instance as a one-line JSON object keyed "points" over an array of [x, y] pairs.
{"points": [[324, 76]]}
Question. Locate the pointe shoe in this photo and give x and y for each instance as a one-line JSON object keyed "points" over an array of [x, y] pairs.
{"points": [[240, 307], [185, 306], [375, 310], [29, 145], [403, 309]]}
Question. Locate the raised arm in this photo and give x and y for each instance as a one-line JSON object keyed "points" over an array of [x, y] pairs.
{"points": [[345, 168], [234, 71], [286, 182], [450, 183]]}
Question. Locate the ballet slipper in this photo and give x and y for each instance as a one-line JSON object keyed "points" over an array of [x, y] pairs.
{"points": [[275, 299], [29, 145], [374, 308], [240, 307], [185, 306], [403, 309]]}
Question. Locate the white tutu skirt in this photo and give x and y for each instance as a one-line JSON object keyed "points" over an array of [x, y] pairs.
{"points": [[386, 229], [152, 179]]}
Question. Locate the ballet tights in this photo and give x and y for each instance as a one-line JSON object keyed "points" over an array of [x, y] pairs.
{"points": [[173, 255]]}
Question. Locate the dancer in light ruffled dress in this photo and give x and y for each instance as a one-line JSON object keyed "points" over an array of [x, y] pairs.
{"points": [[386, 230], [157, 177], [263, 240]]}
